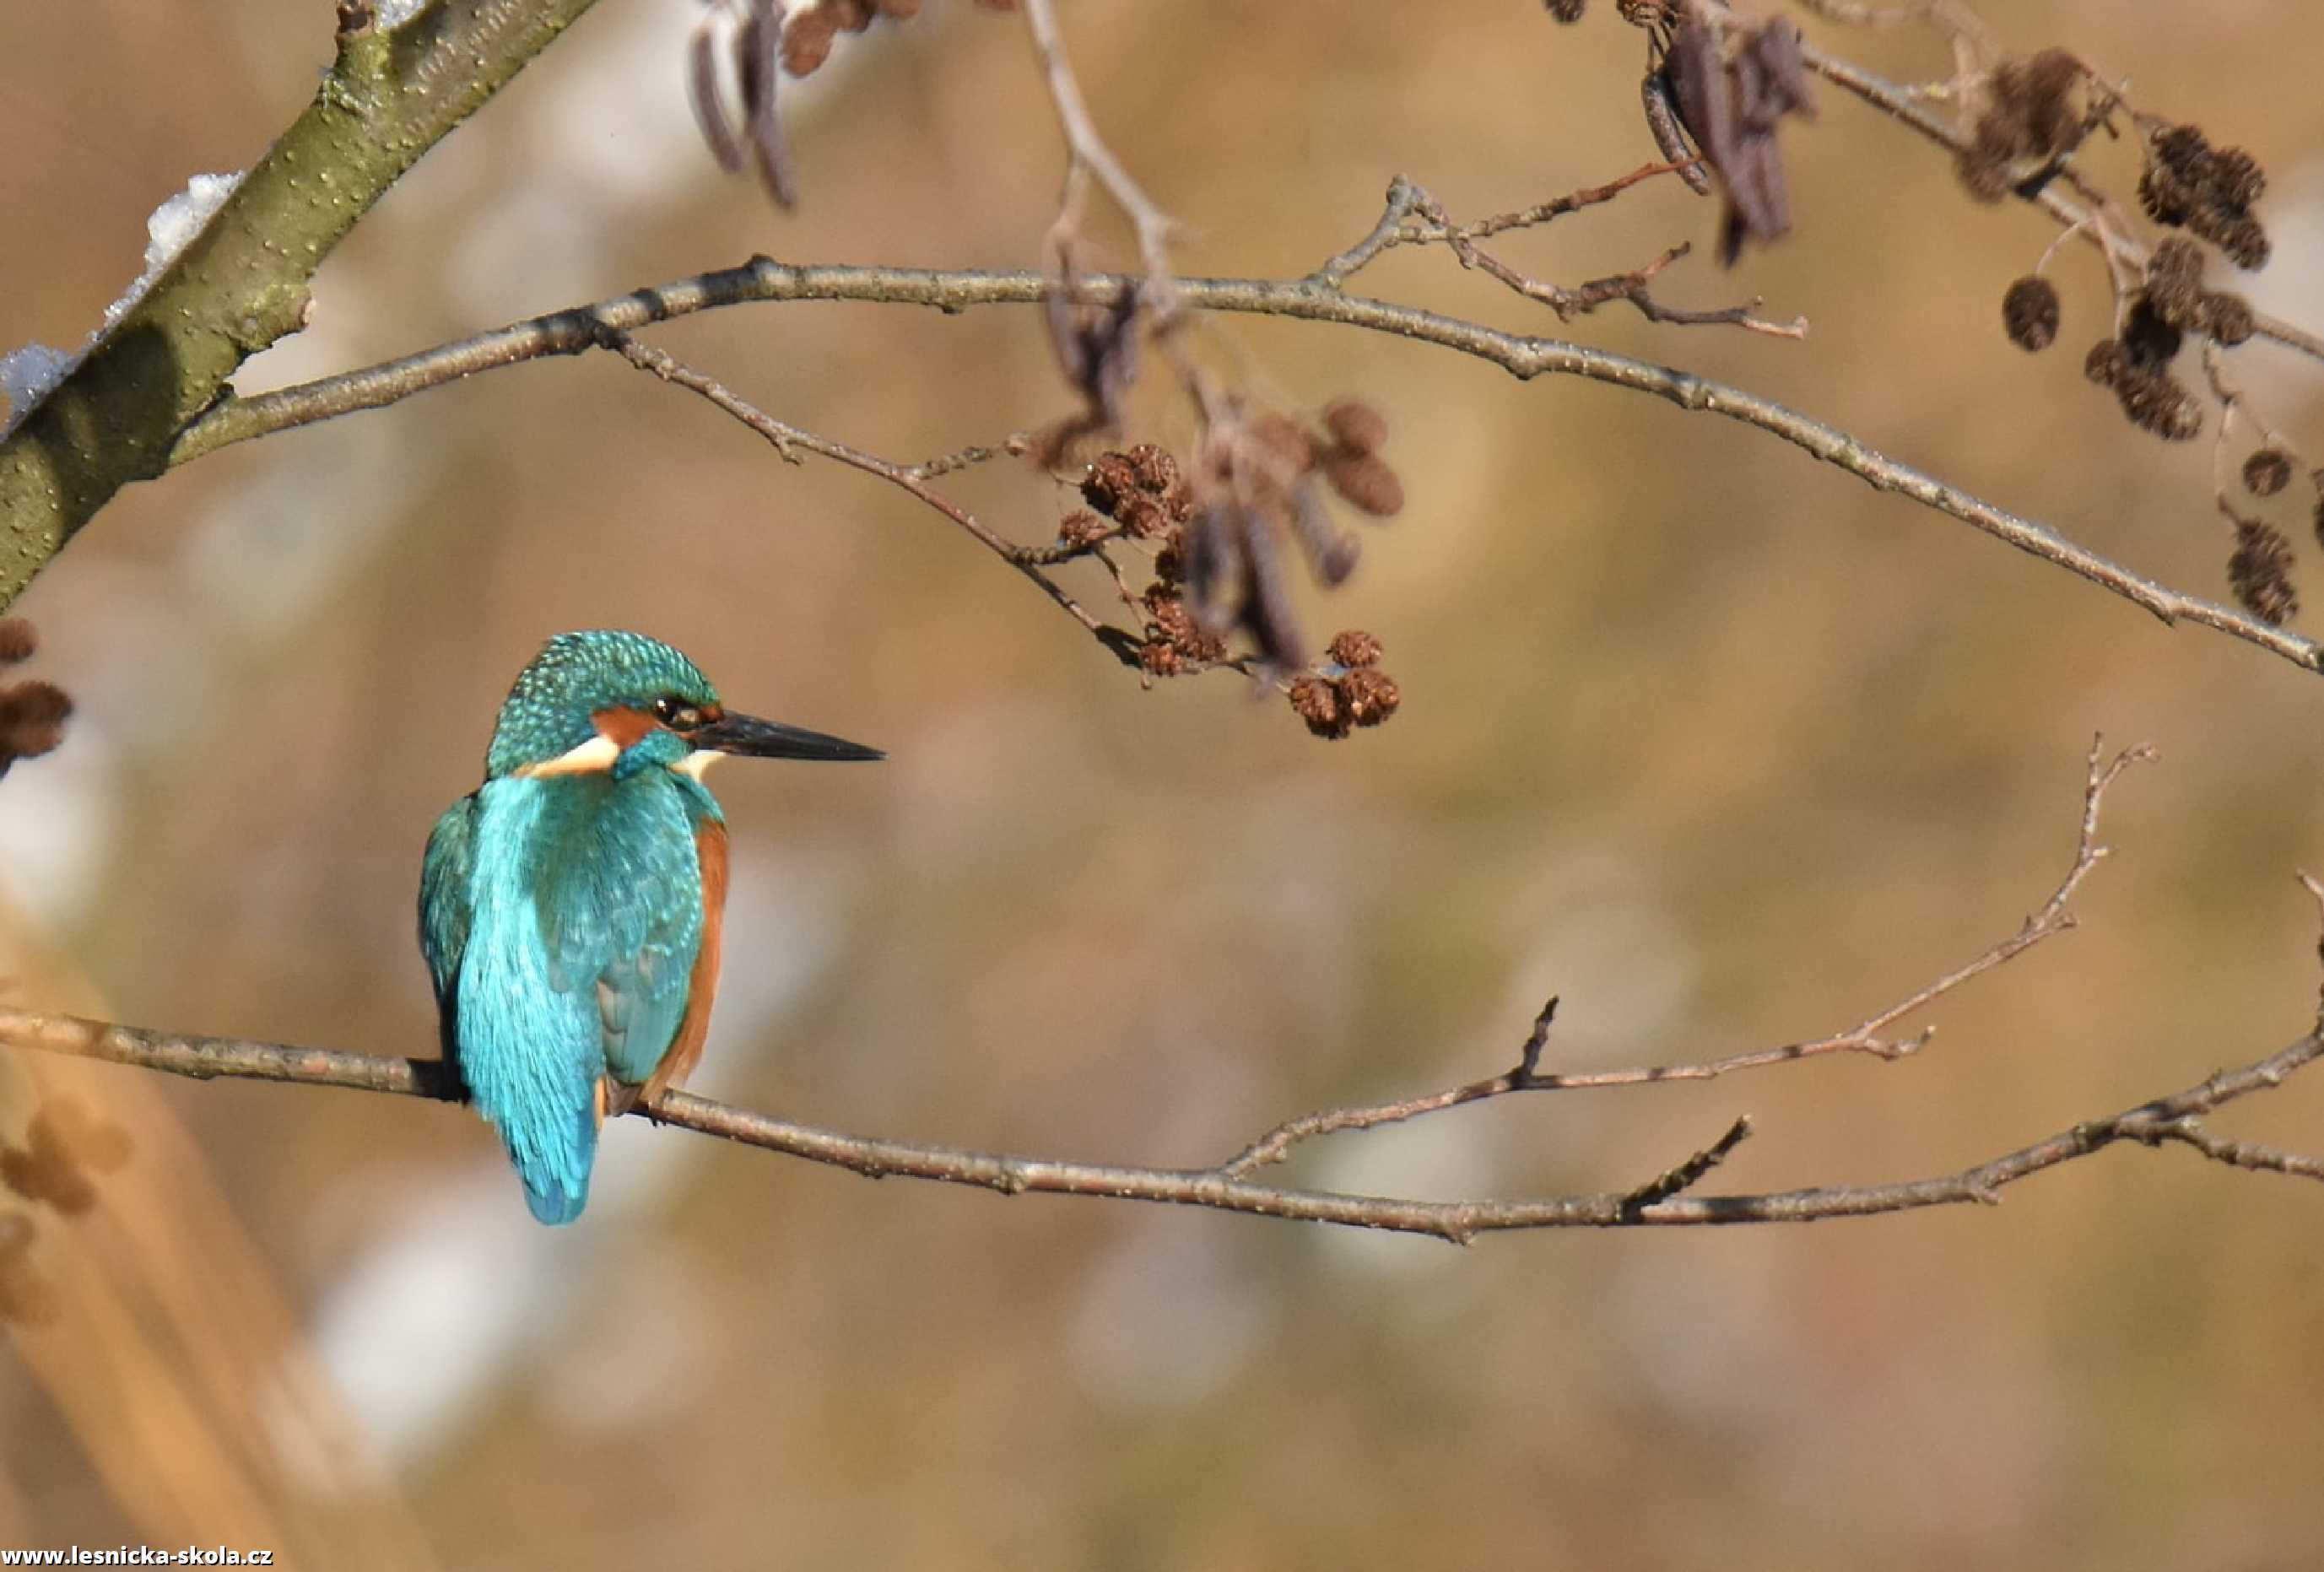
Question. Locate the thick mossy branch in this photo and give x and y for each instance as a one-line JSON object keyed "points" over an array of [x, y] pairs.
{"points": [[242, 283]]}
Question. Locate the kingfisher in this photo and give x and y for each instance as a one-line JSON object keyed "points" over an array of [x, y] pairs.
{"points": [[570, 908]]}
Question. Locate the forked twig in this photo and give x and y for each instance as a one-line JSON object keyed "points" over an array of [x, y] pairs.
{"points": [[1866, 1036]]}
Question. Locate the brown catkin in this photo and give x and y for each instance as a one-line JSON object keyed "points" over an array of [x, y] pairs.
{"points": [[2259, 571], [1112, 481], [1354, 646], [1369, 696], [2158, 402], [2029, 313], [1317, 702], [1153, 468], [2106, 364], [2174, 280], [2151, 341], [2267, 471], [2228, 316]]}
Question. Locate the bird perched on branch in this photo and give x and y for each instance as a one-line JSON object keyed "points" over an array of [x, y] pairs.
{"points": [[570, 908]]}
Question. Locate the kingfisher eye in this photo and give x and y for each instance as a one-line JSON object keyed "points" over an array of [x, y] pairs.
{"points": [[676, 713]]}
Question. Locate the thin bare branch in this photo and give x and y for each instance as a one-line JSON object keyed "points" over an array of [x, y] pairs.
{"points": [[2251, 1154], [1686, 1175], [578, 329], [1866, 1036], [1088, 151], [1458, 1222], [789, 441]]}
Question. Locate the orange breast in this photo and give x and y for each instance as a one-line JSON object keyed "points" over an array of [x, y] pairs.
{"points": [[686, 1048]]}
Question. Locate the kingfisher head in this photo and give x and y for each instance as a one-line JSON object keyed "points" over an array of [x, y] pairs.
{"points": [[604, 699]]}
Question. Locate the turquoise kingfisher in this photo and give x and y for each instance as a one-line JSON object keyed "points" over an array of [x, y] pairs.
{"points": [[570, 908]]}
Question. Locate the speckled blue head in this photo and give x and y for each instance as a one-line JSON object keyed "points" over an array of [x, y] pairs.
{"points": [[604, 699], [576, 676]]}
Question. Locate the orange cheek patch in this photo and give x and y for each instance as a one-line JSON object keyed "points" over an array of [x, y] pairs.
{"points": [[621, 726]]}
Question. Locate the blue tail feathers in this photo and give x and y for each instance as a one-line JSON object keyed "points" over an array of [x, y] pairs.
{"points": [[555, 1163], [557, 1205]]}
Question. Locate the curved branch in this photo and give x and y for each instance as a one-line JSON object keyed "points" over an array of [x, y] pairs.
{"points": [[242, 283], [1314, 298]]}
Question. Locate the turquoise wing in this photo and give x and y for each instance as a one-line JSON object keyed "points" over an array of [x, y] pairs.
{"points": [[560, 916], [445, 873], [526, 1048], [620, 905]]}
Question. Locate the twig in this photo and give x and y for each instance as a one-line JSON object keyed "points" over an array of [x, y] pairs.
{"points": [[787, 440], [1691, 1172], [1088, 151], [1413, 217], [1396, 229], [2249, 1154], [1864, 1037], [572, 331]]}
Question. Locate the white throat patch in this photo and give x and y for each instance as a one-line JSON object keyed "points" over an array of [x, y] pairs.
{"points": [[591, 757]]}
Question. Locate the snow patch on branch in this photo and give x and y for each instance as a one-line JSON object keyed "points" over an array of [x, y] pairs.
{"points": [[27, 374], [30, 374], [171, 228], [390, 14]]}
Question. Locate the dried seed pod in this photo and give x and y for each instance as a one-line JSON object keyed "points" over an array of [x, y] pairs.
{"points": [[2259, 571], [1112, 481], [2151, 341], [1367, 483], [2029, 313], [1368, 696], [806, 40], [2237, 178], [1286, 442], [2228, 316], [1670, 136], [1153, 467], [2166, 198], [33, 716], [1317, 702], [2238, 234], [2267, 471], [2174, 281], [1353, 647], [2107, 364], [1355, 425], [2158, 402]]}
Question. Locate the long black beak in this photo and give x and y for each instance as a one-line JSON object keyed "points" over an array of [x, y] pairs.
{"points": [[747, 735]]}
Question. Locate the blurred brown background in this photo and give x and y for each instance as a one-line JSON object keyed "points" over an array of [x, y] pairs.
{"points": [[1715, 742]]}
